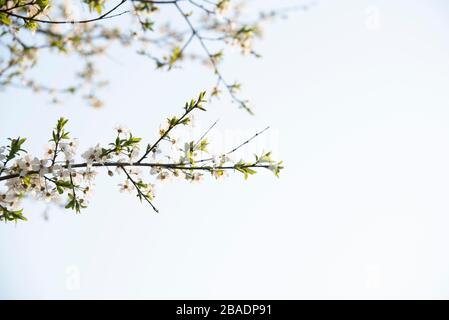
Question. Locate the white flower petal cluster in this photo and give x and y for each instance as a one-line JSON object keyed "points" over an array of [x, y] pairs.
{"points": [[94, 154], [2, 153]]}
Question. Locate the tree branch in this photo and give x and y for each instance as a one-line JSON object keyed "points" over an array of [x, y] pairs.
{"points": [[179, 166], [102, 17]]}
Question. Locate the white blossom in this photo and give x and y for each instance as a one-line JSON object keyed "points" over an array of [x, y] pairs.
{"points": [[69, 148], [25, 164], [89, 175], [197, 176], [155, 170], [49, 151], [134, 171], [126, 186], [48, 195], [2, 151], [121, 129], [134, 153], [41, 166], [92, 155], [163, 176], [155, 152]]}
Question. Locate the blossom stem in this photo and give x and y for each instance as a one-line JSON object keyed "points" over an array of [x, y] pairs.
{"points": [[140, 193]]}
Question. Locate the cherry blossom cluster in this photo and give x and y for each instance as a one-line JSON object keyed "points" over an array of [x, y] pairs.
{"points": [[31, 27], [66, 176]]}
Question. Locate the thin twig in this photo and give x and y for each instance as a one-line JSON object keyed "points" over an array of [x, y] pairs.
{"points": [[205, 134], [212, 60], [139, 192]]}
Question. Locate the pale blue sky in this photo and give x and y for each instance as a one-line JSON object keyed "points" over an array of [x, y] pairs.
{"points": [[359, 114]]}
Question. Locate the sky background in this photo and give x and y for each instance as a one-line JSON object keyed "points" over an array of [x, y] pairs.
{"points": [[359, 115]]}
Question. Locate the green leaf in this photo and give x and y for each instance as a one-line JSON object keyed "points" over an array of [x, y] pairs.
{"points": [[203, 145], [70, 204], [64, 184], [95, 5], [175, 56], [243, 168], [4, 19], [31, 25], [147, 25], [15, 147], [42, 4], [61, 123], [58, 44], [8, 215]]}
